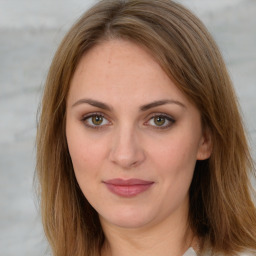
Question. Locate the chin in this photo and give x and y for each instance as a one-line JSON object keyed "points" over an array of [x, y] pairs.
{"points": [[127, 219]]}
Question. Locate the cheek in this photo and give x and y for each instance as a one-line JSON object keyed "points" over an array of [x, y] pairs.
{"points": [[87, 160], [85, 152], [175, 153], [86, 164], [173, 164], [174, 160]]}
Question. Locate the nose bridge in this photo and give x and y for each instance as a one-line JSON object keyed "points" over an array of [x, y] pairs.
{"points": [[126, 150]]}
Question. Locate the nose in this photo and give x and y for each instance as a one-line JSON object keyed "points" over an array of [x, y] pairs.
{"points": [[126, 150]]}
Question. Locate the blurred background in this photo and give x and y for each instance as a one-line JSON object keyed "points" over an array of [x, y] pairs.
{"points": [[30, 32]]}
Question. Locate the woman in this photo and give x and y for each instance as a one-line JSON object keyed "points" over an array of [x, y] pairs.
{"points": [[140, 145]]}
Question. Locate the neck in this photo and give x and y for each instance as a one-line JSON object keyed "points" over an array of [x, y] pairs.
{"points": [[167, 238]]}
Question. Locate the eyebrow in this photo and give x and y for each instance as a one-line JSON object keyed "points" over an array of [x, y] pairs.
{"points": [[145, 107], [160, 103], [94, 103]]}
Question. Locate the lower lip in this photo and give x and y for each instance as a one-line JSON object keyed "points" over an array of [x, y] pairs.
{"points": [[128, 190]]}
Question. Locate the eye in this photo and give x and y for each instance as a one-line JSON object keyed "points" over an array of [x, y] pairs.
{"points": [[95, 121], [161, 121]]}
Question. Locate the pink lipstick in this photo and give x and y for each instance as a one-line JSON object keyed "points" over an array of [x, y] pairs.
{"points": [[128, 188]]}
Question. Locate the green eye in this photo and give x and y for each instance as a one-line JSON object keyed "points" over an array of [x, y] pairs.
{"points": [[159, 120], [97, 120]]}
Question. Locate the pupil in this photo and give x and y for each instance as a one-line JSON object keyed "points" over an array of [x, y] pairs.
{"points": [[159, 120], [97, 120]]}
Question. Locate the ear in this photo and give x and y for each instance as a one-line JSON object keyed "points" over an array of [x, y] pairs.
{"points": [[205, 146]]}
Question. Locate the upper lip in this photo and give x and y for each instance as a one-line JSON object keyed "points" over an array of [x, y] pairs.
{"points": [[128, 182]]}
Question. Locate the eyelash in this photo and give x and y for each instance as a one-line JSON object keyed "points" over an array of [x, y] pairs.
{"points": [[91, 115], [167, 118]]}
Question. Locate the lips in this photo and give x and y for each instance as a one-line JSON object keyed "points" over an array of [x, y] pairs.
{"points": [[128, 188]]}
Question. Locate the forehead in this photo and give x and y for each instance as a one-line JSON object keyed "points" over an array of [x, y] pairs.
{"points": [[117, 55], [122, 68]]}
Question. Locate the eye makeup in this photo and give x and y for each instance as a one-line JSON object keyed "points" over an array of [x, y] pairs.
{"points": [[98, 120], [95, 120], [160, 121]]}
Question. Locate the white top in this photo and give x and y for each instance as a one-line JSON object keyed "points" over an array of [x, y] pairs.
{"points": [[191, 252]]}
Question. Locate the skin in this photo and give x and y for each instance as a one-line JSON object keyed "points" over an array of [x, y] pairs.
{"points": [[130, 142]]}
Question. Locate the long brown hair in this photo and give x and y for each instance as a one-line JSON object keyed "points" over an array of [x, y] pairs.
{"points": [[221, 209]]}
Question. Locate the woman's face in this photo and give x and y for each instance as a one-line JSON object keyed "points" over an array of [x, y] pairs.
{"points": [[133, 137]]}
